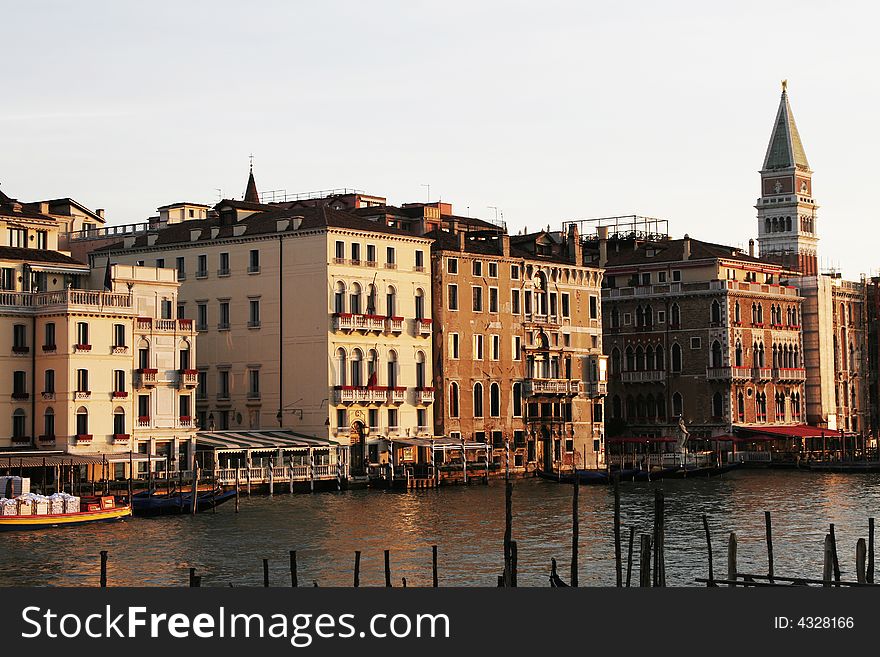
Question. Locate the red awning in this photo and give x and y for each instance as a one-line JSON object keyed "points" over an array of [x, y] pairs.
{"points": [[796, 431]]}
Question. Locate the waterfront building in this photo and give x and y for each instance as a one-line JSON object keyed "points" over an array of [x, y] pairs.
{"points": [[699, 335], [835, 310], [517, 339], [872, 288], [310, 318], [92, 361]]}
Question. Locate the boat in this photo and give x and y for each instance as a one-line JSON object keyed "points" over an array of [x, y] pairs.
{"points": [[152, 503], [30, 512], [587, 476]]}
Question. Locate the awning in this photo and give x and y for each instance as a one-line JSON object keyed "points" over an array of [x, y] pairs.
{"points": [[32, 460], [794, 431], [238, 441], [60, 269]]}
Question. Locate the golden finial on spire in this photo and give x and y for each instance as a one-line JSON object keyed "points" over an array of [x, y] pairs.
{"points": [[784, 85]]}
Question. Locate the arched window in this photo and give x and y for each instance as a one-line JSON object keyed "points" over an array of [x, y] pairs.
{"points": [[357, 357], [788, 224], [82, 421], [615, 361], [716, 312], [740, 407], [760, 311], [371, 299], [640, 358], [716, 354], [639, 317], [616, 407], [18, 423], [339, 298], [738, 354], [340, 366], [119, 421], [649, 358], [420, 304], [648, 317], [478, 399], [615, 317], [659, 358], [517, 399], [675, 316], [420, 369], [49, 423], [677, 404], [630, 407], [717, 405], [736, 313], [494, 400], [390, 301], [392, 369], [453, 399], [676, 357], [354, 299], [630, 359], [372, 368], [767, 225]]}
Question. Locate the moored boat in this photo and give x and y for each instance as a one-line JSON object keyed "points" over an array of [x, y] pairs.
{"points": [[157, 504], [38, 512]]}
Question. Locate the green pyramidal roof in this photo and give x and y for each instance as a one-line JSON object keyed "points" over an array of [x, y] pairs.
{"points": [[785, 149]]}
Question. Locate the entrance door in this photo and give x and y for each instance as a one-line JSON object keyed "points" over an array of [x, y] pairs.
{"points": [[357, 439], [547, 448]]}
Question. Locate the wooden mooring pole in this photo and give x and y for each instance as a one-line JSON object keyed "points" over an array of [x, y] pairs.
{"points": [[237, 471], [294, 581], [659, 557], [861, 554], [731, 558], [357, 568], [508, 531], [193, 579], [828, 560], [265, 573], [645, 561], [574, 532], [387, 567], [709, 548], [103, 569], [513, 557], [435, 583], [629, 557], [869, 575], [195, 489], [836, 563], [618, 565], [768, 530]]}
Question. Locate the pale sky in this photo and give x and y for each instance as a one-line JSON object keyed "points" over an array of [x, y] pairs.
{"points": [[548, 110]]}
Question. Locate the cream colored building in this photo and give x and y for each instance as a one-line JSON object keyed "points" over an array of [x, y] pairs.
{"points": [[89, 367], [309, 318]]}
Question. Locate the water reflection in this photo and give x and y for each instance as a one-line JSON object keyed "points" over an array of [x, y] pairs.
{"points": [[467, 524]]}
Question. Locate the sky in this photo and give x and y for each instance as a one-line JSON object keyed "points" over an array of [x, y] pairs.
{"points": [[548, 111]]}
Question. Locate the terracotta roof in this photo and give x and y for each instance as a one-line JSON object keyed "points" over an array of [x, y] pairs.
{"points": [[36, 255], [485, 244], [673, 251]]}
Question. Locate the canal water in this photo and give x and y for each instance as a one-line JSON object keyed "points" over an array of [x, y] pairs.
{"points": [[467, 524]]}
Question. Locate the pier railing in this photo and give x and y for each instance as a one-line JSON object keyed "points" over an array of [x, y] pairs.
{"points": [[260, 475]]}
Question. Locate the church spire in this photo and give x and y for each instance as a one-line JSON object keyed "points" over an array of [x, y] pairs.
{"points": [[785, 149], [250, 194]]}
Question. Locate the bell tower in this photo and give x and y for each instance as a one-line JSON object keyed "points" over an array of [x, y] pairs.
{"points": [[787, 212]]}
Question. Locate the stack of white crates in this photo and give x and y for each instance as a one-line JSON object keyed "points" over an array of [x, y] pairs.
{"points": [[20, 486]]}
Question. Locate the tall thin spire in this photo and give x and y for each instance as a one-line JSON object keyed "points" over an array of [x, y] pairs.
{"points": [[785, 149], [251, 195]]}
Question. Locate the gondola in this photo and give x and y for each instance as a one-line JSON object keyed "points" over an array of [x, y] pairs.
{"points": [[556, 581], [156, 504], [587, 476]]}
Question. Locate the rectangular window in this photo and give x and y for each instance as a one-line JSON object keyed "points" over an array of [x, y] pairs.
{"points": [[340, 250], [566, 307], [493, 299], [514, 302], [144, 408], [453, 296], [517, 347], [224, 265], [478, 267], [165, 308], [253, 313], [254, 261], [181, 311], [160, 263], [627, 319], [646, 278], [371, 254], [202, 390], [696, 343], [390, 257], [49, 381], [202, 317], [594, 307], [661, 316], [19, 387], [82, 334], [118, 380], [477, 299], [19, 337], [185, 412], [224, 315], [42, 239], [514, 272], [181, 269], [420, 260], [495, 348], [253, 384], [223, 384], [452, 265], [497, 439], [527, 302], [355, 253], [676, 275], [493, 270], [392, 419], [7, 278], [478, 347], [202, 269], [82, 380], [17, 237], [453, 346], [661, 276]]}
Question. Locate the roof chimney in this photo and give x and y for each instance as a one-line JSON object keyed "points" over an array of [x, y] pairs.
{"points": [[505, 245], [44, 208], [574, 245], [100, 212], [752, 248], [462, 238], [603, 245], [686, 247]]}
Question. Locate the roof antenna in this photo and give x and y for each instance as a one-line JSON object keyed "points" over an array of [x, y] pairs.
{"points": [[428, 185]]}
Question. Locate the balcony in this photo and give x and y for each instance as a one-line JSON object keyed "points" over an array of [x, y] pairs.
{"points": [[49, 348], [82, 347], [643, 376], [83, 438], [21, 440], [119, 394], [186, 422], [425, 395], [541, 318], [48, 396], [143, 421], [596, 389], [46, 440], [120, 438], [119, 349], [423, 326], [392, 431], [201, 273], [394, 325], [20, 396], [424, 431], [395, 395], [20, 350], [224, 271], [82, 394], [551, 387], [146, 378], [359, 394], [762, 373], [371, 263], [790, 374], [729, 373], [188, 378]]}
